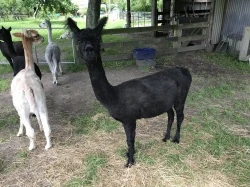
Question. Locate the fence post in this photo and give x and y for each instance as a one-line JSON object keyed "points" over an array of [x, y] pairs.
{"points": [[204, 32], [177, 33], [245, 45]]}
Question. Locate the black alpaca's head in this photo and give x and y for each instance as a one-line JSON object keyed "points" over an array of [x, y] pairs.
{"points": [[5, 33], [88, 40]]}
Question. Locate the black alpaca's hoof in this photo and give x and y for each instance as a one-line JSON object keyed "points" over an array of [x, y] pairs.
{"points": [[165, 139], [176, 141], [129, 164]]}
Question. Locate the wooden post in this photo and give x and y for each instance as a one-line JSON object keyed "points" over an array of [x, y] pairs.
{"points": [[209, 45], [177, 33], [154, 16], [204, 32], [172, 7], [244, 45]]}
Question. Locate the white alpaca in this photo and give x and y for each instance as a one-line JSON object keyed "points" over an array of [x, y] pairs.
{"points": [[66, 35], [52, 53], [28, 94]]}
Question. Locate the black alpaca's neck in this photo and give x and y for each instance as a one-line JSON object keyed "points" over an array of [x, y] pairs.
{"points": [[10, 47], [103, 90]]}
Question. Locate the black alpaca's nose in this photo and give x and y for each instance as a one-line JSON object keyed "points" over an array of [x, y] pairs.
{"points": [[89, 48]]}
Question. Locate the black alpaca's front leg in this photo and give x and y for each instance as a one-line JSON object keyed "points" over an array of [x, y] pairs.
{"points": [[130, 135], [170, 122]]}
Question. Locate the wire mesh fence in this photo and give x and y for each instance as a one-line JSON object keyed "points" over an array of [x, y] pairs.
{"points": [[66, 46], [138, 19]]}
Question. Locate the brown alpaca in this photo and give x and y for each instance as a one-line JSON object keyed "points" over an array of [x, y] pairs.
{"points": [[27, 92]]}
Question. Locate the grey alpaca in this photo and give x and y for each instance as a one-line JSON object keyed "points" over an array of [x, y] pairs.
{"points": [[52, 52]]}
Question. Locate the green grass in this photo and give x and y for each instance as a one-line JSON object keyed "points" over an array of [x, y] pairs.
{"points": [[97, 119], [5, 68], [58, 26], [4, 85], [143, 152], [225, 61], [116, 65], [73, 68], [2, 163], [6, 120], [93, 163], [22, 154]]}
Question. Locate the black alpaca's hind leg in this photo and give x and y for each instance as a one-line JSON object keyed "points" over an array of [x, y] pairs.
{"points": [[130, 135], [180, 117], [170, 122]]}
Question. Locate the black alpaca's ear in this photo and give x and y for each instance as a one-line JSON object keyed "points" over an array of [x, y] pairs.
{"points": [[71, 24], [101, 24], [9, 29]]}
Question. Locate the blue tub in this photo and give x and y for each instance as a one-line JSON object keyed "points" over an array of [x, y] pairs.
{"points": [[144, 56], [144, 53]]}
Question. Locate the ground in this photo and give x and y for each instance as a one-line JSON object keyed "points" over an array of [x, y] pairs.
{"points": [[74, 97]]}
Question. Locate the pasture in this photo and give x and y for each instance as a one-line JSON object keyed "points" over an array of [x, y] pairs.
{"points": [[58, 28], [89, 146]]}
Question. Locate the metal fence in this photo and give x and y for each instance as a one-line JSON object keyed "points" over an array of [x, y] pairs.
{"points": [[66, 46], [138, 19]]}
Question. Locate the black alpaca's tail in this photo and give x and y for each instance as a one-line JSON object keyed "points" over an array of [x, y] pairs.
{"points": [[185, 72]]}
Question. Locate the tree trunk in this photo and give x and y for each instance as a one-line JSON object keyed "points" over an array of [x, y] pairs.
{"points": [[93, 13], [128, 14]]}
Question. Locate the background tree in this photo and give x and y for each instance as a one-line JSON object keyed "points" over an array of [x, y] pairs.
{"points": [[58, 6], [138, 5], [93, 13]]}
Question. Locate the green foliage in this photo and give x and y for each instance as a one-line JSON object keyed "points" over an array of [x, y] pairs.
{"points": [[141, 5], [46, 8], [63, 7]]}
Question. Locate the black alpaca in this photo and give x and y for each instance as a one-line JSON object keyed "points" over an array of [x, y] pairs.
{"points": [[17, 58], [18, 47], [138, 98]]}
